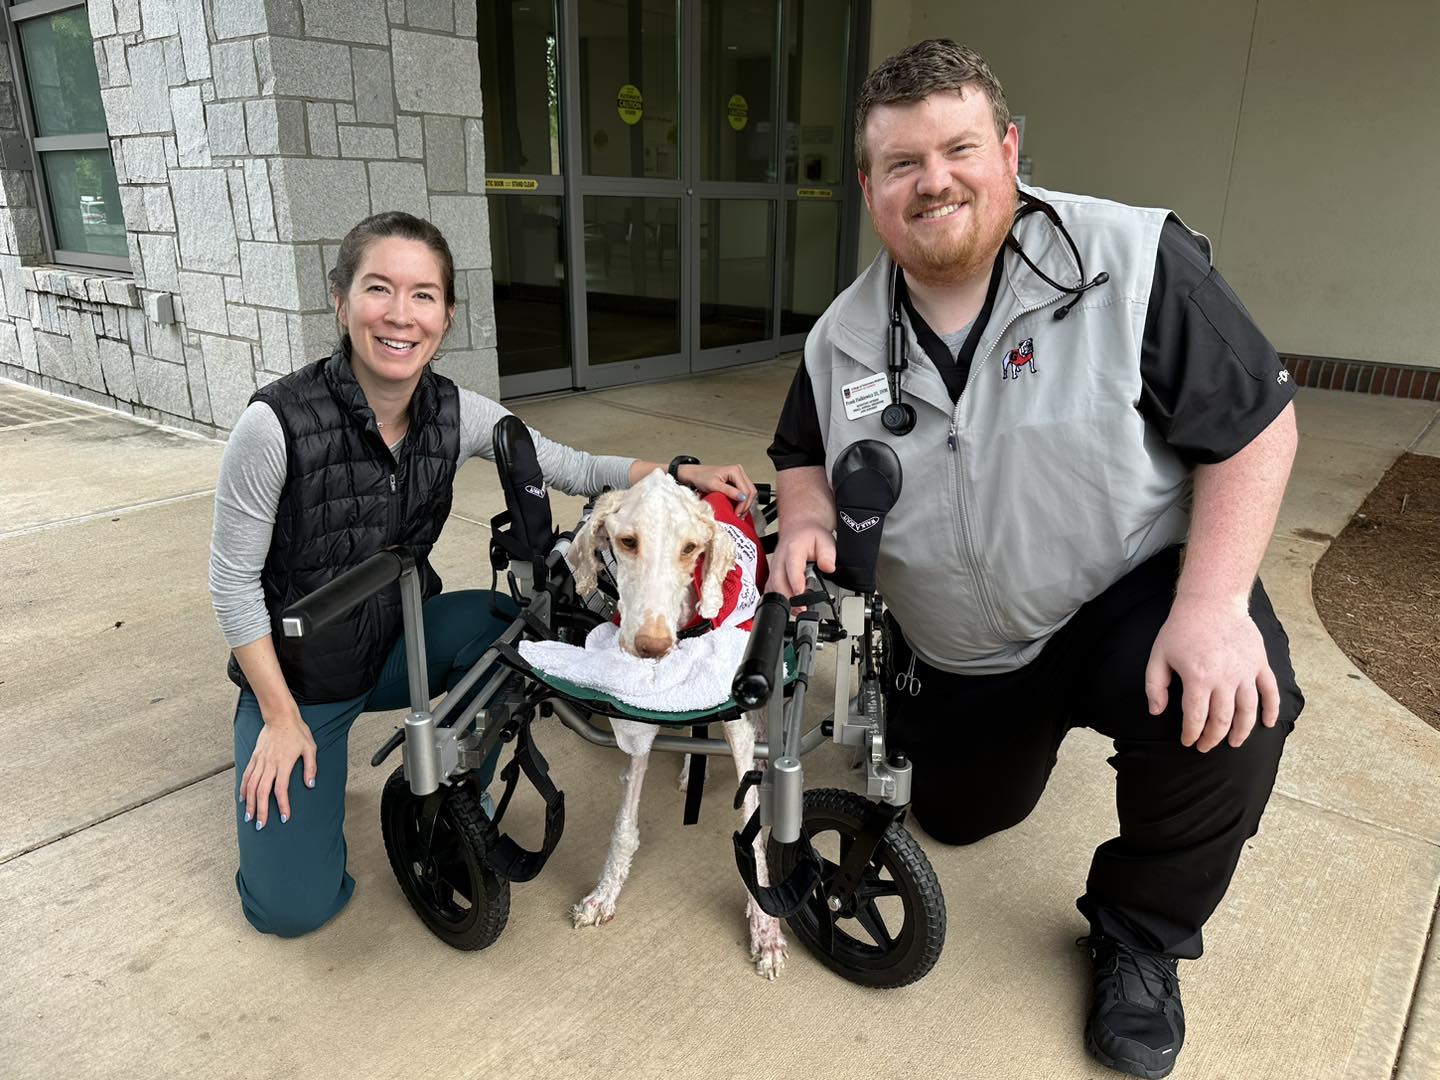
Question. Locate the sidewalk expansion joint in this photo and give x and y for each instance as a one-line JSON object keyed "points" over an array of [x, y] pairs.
{"points": [[28, 424], [114, 511], [1415, 991], [1292, 535], [1428, 841], [1430, 424], [461, 517], [758, 433], [229, 766]]}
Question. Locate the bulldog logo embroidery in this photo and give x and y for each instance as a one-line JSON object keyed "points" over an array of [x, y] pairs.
{"points": [[1023, 355]]}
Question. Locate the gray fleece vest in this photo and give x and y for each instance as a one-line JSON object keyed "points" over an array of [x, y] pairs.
{"points": [[1044, 484]]}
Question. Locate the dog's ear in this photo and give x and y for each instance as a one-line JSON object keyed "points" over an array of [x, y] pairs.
{"points": [[719, 561], [591, 535]]}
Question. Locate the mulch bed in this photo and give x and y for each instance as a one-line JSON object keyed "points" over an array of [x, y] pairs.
{"points": [[1378, 586]]}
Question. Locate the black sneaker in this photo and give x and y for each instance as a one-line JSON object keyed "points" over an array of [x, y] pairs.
{"points": [[1136, 1022]]}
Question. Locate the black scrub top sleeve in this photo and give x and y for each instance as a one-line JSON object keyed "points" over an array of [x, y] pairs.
{"points": [[1210, 381], [798, 441]]}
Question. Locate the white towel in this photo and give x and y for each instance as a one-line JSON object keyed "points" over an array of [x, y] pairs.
{"points": [[694, 675]]}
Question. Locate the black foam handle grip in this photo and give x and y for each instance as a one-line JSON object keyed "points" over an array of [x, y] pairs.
{"points": [[759, 672], [336, 597]]}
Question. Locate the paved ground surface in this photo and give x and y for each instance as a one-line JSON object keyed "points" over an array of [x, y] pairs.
{"points": [[125, 954]]}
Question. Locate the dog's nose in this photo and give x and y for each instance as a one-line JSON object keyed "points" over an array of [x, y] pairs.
{"points": [[652, 646]]}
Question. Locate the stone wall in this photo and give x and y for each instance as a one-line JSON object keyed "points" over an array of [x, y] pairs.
{"points": [[248, 137]]}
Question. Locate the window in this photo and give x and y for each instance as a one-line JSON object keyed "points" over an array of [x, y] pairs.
{"points": [[74, 174]]}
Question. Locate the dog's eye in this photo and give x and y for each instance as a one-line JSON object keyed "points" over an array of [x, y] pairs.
{"points": [[629, 543], [689, 549]]}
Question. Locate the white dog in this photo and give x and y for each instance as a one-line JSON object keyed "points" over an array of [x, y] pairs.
{"points": [[657, 531]]}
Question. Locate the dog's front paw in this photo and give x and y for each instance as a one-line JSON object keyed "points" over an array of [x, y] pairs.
{"points": [[767, 945], [594, 910]]}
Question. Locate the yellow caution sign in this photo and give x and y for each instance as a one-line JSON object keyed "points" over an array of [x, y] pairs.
{"points": [[508, 184], [813, 193], [738, 112], [630, 104]]}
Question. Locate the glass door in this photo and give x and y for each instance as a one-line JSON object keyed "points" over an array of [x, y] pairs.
{"points": [[629, 102], [736, 189], [687, 160], [824, 65], [775, 180], [520, 80]]}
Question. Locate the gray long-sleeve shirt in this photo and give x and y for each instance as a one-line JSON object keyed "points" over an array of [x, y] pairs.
{"points": [[252, 476]]}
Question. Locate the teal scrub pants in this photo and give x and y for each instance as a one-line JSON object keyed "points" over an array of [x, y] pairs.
{"points": [[292, 875]]}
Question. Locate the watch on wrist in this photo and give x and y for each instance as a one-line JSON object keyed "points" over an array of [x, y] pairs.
{"points": [[675, 464]]}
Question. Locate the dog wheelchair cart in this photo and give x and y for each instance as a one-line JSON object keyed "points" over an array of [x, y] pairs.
{"points": [[848, 877]]}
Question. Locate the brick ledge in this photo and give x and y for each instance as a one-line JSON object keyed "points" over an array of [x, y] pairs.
{"points": [[1365, 377]]}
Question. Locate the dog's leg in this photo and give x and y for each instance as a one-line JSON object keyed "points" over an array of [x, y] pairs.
{"points": [[683, 780], [767, 942], [599, 906]]}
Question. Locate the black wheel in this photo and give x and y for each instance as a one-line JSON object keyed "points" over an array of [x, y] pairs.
{"points": [[891, 932], [463, 901]]}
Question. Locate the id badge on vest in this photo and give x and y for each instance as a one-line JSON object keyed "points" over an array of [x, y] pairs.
{"points": [[866, 396]]}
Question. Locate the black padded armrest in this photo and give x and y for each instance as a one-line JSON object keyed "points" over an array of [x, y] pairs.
{"points": [[531, 527]]}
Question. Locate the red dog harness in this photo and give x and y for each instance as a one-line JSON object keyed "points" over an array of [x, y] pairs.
{"points": [[740, 593]]}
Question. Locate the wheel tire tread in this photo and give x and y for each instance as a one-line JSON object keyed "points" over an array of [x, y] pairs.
{"points": [[929, 899], [464, 810]]}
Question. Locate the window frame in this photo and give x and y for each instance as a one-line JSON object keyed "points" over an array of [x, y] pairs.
{"points": [[38, 145]]}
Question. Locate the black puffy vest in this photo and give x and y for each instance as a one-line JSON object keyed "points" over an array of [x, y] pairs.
{"points": [[345, 498]]}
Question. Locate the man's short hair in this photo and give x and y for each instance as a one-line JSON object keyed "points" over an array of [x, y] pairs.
{"points": [[922, 69]]}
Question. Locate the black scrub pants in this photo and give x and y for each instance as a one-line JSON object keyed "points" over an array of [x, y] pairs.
{"points": [[983, 747]]}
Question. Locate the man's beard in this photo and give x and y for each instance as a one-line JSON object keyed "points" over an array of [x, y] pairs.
{"points": [[951, 261]]}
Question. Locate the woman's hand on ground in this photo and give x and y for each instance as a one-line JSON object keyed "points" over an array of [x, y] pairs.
{"points": [[282, 742], [729, 480]]}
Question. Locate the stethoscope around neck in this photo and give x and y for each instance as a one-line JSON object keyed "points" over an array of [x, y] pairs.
{"points": [[898, 418]]}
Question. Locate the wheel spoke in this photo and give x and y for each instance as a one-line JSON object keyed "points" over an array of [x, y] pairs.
{"points": [[456, 875], [868, 916], [442, 850], [873, 887], [446, 847], [437, 894], [825, 924], [426, 827]]}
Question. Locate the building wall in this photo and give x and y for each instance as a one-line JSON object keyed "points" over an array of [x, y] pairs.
{"points": [[248, 137], [1300, 135]]}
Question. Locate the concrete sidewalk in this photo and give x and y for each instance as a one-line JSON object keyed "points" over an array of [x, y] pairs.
{"points": [[125, 953]]}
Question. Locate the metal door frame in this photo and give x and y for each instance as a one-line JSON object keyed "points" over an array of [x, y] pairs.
{"points": [[846, 193], [573, 187]]}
